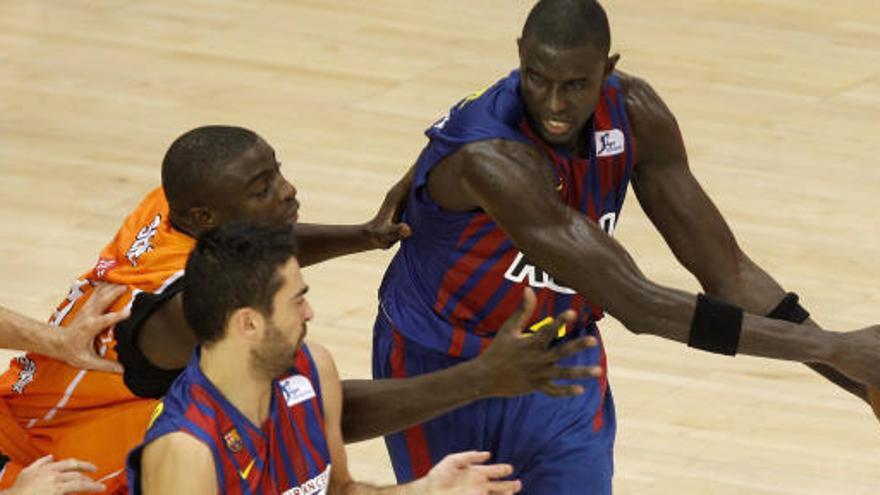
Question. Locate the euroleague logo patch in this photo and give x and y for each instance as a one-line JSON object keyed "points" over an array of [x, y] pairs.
{"points": [[296, 389], [609, 143]]}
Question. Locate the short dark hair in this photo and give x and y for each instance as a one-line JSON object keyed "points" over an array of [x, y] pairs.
{"points": [[195, 156], [233, 266], [568, 24]]}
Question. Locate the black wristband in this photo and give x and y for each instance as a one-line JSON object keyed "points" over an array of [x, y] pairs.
{"points": [[789, 310], [716, 326]]}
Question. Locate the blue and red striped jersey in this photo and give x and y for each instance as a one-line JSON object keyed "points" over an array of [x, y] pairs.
{"points": [[454, 282], [287, 454]]}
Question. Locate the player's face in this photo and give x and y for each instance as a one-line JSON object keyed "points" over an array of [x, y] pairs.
{"points": [[286, 328], [561, 88], [251, 188]]}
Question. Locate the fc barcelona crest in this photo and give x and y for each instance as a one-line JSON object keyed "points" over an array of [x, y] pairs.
{"points": [[233, 440]]}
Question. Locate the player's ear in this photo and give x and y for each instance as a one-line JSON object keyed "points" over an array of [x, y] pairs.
{"points": [[611, 64], [202, 218], [246, 323]]}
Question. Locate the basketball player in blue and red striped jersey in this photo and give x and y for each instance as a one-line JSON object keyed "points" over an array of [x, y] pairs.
{"points": [[257, 410], [523, 184]]}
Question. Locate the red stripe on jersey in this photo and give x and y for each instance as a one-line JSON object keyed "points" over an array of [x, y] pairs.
{"points": [[300, 468], [483, 291], [462, 270], [599, 418], [456, 343], [299, 415], [208, 424], [475, 225], [416, 441]]}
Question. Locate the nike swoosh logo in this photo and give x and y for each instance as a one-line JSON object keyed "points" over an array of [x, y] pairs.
{"points": [[244, 474]]}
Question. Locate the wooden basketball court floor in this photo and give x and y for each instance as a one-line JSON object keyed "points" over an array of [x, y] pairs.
{"points": [[779, 101]]}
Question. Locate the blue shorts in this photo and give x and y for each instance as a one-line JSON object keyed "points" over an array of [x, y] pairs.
{"points": [[556, 446]]}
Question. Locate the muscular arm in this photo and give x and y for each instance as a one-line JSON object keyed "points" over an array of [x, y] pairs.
{"points": [[454, 475], [319, 243], [508, 181], [690, 223], [178, 463]]}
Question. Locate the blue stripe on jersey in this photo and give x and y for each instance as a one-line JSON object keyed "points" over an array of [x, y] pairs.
{"points": [[282, 447], [305, 453], [205, 409]]}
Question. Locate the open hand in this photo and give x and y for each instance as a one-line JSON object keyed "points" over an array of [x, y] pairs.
{"points": [[857, 355], [386, 229], [46, 476], [76, 342], [518, 362], [465, 474]]}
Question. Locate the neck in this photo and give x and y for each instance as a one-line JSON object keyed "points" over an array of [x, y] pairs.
{"points": [[228, 368]]}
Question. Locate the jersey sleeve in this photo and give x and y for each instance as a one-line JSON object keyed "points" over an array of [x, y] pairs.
{"points": [[142, 377]]}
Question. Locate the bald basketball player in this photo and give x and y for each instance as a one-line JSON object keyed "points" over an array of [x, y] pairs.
{"points": [[523, 184]]}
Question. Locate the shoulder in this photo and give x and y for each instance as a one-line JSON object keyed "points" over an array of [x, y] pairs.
{"points": [[500, 160], [178, 461], [323, 362], [176, 444], [654, 125], [644, 105]]}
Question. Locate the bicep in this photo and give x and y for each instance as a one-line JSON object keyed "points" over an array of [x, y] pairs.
{"points": [[331, 390], [670, 194], [688, 220], [177, 463]]}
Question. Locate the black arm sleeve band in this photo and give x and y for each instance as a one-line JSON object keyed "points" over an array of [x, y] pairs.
{"points": [[789, 310], [716, 326], [140, 376]]}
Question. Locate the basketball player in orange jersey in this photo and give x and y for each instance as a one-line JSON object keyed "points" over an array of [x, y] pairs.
{"points": [[210, 176]]}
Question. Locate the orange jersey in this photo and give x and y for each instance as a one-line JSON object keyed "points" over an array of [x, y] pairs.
{"points": [[48, 407]]}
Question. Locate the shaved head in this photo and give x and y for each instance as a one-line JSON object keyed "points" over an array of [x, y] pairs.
{"points": [[568, 24], [196, 157]]}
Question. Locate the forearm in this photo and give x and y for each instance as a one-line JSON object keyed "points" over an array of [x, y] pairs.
{"points": [[25, 334], [373, 408], [416, 487], [757, 292], [319, 242], [668, 313]]}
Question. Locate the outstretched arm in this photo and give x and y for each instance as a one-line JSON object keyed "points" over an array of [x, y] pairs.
{"points": [[514, 364], [690, 223], [510, 181], [455, 474], [322, 242]]}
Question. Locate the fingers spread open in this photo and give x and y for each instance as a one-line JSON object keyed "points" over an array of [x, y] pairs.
{"points": [[519, 318]]}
